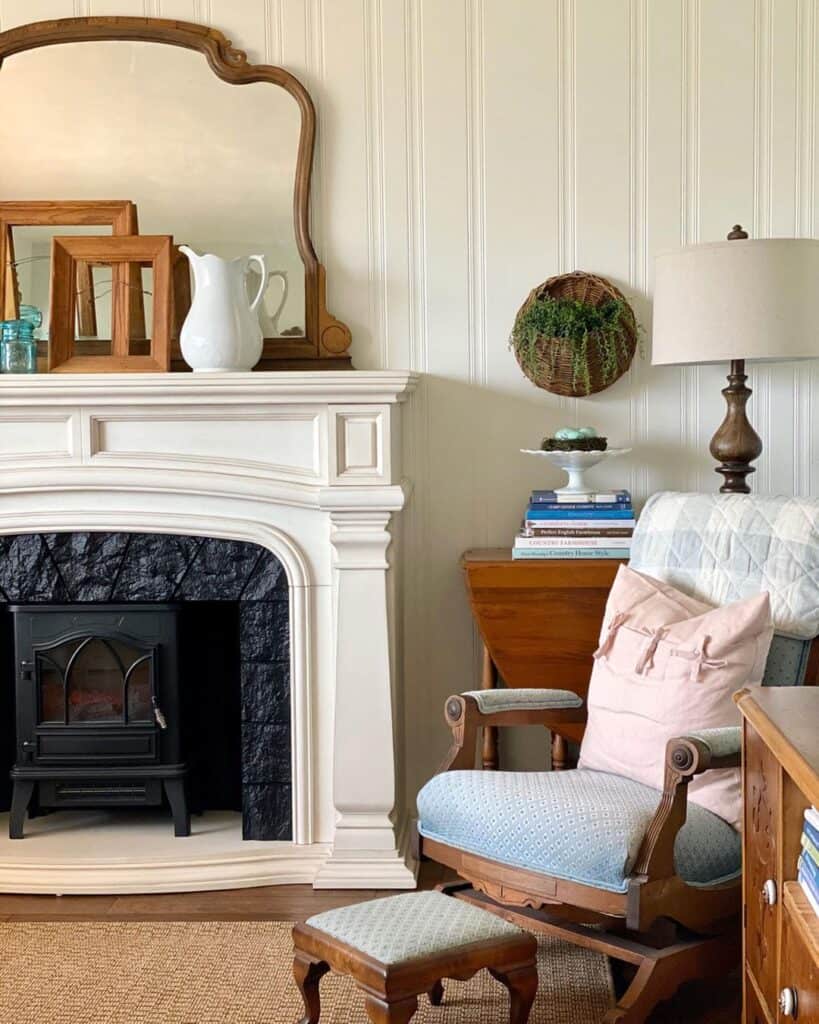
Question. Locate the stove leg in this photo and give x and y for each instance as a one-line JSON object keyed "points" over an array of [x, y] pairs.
{"points": [[175, 792], [21, 798]]}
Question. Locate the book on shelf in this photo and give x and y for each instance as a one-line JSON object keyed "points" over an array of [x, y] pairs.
{"points": [[807, 889], [811, 825], [807, 871], [587, 530], [810, 869], [807, 878], [579, 506], [536, 512], [586, 525], [570, 552], [810, 848], [593, 497], [534, 543]]}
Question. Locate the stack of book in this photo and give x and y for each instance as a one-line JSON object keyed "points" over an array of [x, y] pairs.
{"points": [[558, 525], [808, 869]]}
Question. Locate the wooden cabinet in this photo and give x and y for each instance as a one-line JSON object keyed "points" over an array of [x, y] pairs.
{"points": [[539, 620], [780, 779]]}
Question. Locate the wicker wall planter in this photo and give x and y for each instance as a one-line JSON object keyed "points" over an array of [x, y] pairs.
{"points": [[570, 367]]}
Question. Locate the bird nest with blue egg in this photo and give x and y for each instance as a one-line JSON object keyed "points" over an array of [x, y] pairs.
{"points": [[574, 439]]}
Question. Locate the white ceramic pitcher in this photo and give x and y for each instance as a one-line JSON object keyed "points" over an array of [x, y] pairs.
{"points": [[221, 332]]}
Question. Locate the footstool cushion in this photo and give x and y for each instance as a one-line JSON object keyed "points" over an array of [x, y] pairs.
{"points": [[400, 947]]}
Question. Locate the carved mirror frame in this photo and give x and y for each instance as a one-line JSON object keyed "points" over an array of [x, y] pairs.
{"points": [[326, 342]]}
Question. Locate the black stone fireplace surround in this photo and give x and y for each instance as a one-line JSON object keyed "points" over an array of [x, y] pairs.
{"points": [[224, 585]]}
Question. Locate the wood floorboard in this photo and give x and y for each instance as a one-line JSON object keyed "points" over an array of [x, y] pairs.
{"points": [[696, 1003]]}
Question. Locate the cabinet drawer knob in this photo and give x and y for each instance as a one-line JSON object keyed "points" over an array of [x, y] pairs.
{"points": [[787, 1002], [769, 892]]}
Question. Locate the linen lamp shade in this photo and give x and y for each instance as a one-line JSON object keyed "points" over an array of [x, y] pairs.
{"points": [[727, 302], [752, 299]]}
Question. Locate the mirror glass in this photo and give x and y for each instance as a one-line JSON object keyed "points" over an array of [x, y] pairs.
{"points": [[210, 163]]}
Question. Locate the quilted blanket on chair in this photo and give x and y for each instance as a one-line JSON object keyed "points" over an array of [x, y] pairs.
{"points": [[724, 547]]}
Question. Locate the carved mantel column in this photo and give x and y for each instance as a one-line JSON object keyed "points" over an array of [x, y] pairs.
{"points": [[366, 850]]}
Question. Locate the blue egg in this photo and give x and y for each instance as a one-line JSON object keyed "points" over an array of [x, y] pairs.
{"points": [[568, 434], [587, 432]]}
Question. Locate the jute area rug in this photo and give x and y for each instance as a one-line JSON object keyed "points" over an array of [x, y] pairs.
{"points": [[238, 972]]}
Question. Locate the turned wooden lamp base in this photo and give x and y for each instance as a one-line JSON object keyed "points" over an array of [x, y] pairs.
{"points": [[736, 444]]}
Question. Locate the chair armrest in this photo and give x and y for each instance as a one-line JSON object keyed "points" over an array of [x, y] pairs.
{"points": [[491, 701], [560, 711], [685, 757], [715, 748]]}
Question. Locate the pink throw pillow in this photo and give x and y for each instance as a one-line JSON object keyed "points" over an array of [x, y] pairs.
{"points": [[667, 666]]}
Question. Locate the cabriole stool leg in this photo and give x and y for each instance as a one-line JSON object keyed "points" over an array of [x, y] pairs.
{"points": [[522, 986], [308, 973]]}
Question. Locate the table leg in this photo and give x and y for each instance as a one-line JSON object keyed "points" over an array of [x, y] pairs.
{"points": [[560, 753], [489, 680]]}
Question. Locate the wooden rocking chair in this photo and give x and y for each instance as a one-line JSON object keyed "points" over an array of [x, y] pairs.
{"points": [[555, 851]]}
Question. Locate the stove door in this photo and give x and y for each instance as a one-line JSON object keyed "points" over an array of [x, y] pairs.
{"points": [[93, 697], [94, 680]]}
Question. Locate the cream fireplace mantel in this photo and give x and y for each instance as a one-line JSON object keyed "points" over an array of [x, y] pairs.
{"points": [[305, 464]]}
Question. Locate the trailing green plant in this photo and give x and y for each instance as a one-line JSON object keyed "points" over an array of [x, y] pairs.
{"points": [[609, 326]]}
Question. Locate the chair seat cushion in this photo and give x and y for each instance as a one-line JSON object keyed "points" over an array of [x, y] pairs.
{"points": [[581, 826]]}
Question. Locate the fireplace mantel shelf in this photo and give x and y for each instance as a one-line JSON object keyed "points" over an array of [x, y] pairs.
{"points": [[307, 464], [388, 386]]}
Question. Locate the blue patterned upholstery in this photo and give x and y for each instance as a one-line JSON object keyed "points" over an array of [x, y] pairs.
{"points": [[581, 825], [412, 926], [787, 662]]}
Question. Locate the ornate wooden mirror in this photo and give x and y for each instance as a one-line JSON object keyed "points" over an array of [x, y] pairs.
{"points": [[116, 108]]}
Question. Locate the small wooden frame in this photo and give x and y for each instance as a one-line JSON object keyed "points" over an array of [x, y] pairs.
{"points": [[120, 214], [123, 252]]}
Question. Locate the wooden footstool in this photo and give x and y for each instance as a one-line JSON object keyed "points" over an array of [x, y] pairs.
{"points": [[401, 947]]}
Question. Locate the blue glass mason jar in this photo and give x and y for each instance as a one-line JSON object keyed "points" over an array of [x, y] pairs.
{"points": [[18, 349]]}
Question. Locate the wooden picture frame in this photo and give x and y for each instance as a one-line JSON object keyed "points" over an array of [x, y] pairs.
{"points": [[119, 214], [123, 252]]}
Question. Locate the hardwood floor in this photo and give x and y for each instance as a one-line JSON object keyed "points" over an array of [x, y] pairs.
{"points": [[697, 1004]]}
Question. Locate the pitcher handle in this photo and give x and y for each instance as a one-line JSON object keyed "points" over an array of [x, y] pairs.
{"points": [[262, 283], [282, 276]]}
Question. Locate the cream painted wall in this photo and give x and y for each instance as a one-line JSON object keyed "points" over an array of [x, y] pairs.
{"points": [[471, 148]]}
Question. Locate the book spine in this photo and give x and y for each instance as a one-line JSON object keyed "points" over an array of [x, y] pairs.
{"points": [[811, 870], [586, 496], [811, 831], [812, 817], [806, 889], [574, 531], [810, 849], [571, 542], [570, 553], [534, 512], [580, 506], [587, 525]]}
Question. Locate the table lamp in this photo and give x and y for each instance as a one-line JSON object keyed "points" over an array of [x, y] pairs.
{"points": [[728, 302]]}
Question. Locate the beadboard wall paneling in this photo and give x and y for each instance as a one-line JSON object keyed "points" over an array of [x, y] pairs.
{"points": [[471, 148]]}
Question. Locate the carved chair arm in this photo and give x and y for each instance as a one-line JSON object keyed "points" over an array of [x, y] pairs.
{"points": [[685, 757], [560, 711]]}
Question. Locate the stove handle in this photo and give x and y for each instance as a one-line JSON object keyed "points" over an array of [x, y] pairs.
{"points": [[161, 721]]}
